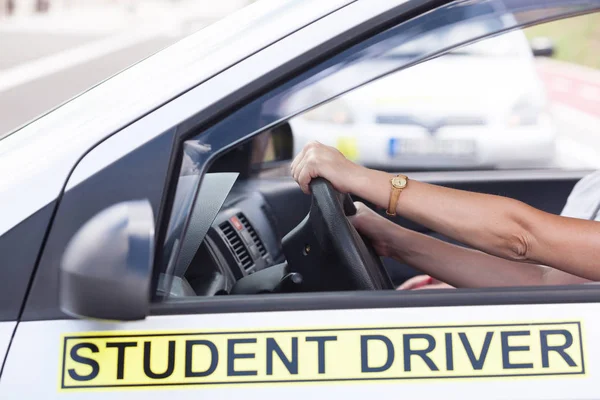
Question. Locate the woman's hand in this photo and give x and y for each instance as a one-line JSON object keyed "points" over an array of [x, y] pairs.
{"points": [[318, 160], [423, 282], [378, 229]]}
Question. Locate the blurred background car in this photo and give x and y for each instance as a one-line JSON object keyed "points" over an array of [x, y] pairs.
{"points": [[482, 106]]}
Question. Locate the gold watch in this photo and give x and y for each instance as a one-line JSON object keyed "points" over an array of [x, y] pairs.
{"points": [[398, 182]]}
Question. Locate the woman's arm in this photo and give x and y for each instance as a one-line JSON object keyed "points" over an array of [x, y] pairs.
{"points": [[458, 266], [496, 225]]}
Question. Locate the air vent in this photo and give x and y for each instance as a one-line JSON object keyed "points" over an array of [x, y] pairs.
{"points": [[236, 244], [259, 244]]}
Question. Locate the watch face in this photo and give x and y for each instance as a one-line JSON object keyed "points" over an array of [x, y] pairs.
{"points": [[399, 182]]}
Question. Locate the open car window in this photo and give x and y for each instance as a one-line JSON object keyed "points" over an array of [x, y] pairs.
{"points": [[452, 28]]}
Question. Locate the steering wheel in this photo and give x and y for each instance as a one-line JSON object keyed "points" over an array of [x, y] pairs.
{"points": [[334, 254]]}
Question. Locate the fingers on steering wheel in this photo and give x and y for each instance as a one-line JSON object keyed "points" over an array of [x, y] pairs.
{"points": [[304, 179], [297, 169], [296, 161]]}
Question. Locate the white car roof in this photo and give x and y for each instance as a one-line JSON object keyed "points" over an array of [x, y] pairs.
{"points": [[44, 151]]}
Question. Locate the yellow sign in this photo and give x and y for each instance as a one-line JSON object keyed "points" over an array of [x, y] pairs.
{"points": [[146, 359], [348, 146]]}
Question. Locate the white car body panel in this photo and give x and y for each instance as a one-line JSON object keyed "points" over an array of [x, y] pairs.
{"points": [[35, 364], [37, 352]]}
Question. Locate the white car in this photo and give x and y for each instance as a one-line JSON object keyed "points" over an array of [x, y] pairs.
{"points": [[144, 257], [480, 106]]}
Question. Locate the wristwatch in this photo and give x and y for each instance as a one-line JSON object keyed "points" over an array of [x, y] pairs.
{"points": [[398, 182]]}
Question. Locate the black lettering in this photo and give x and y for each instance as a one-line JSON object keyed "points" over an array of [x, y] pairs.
{"points": [[121, 346], [364, 350], [476, 362], [559, 349], [232, 356], [408, 352], [506, 349], [449, 354], [321, 348], [273, 347], [84, 360], [214, 358], [171, 362]]}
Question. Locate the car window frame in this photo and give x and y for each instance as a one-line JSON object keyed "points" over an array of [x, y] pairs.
{"points": [[504, 296]]}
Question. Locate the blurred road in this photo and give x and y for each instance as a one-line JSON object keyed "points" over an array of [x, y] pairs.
{"points": [[575, 86], [47, 59], [575, 95], [20, 47], [24, 102]]}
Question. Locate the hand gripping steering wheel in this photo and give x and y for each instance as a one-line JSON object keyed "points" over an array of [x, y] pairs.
{"points": [[328, 251]]}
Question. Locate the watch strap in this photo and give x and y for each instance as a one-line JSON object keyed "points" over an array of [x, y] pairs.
{"points": [[394, 195], [398, 184]]}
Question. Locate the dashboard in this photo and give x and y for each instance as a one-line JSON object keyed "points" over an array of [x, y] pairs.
{"points": [[241, 233]]}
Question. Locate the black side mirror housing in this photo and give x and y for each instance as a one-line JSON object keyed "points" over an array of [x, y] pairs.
{"points": [[106, 268]]}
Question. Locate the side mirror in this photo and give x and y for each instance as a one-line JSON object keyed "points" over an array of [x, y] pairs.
{"points": [[107, 266], [283, 142], [273, 148], [269, 150], [542, 47]]}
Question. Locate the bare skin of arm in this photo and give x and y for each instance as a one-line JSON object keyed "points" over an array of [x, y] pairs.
{"points": [[458, 266], [505, 228]]}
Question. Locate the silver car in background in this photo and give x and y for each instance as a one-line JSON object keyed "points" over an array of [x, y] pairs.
{"points": [[481, 106]]}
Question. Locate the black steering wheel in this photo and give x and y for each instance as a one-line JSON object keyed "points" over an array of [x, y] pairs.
{"points": [[326, 249]]}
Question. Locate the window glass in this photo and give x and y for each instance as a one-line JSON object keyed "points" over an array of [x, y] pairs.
{"points": [[433, 115], [508, 105]]}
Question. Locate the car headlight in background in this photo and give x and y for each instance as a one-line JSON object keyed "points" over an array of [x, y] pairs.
{"points": [[335, 112], [526, 111]]}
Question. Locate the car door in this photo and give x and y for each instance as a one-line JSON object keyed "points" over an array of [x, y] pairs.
{"points": [[503, 343]]}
